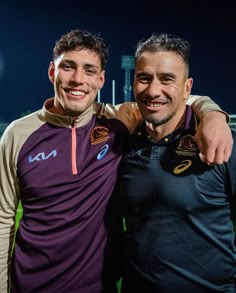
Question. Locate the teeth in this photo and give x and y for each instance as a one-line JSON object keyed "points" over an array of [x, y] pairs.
{"points": [[155, 105], [76, 93]]}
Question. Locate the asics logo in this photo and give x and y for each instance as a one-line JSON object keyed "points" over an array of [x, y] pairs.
{"points": [[42, 156], [182, 167], [103, 152]]}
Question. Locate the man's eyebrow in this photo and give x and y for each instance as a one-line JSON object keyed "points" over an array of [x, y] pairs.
{"points": [[68, 61], [89, 65], [86, 65], [146, 74], [142, 73], [167, 74]]}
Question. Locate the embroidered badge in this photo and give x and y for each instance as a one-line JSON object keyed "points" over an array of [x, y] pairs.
{"points": [[186, 148], [99, 134], [182, 157], [184, 165]]}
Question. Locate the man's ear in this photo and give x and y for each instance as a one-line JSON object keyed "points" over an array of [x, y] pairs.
{"points": [[188, 87], [102, 79], [51, 72]]}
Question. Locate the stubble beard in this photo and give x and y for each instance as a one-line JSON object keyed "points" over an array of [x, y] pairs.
{"points": [[151, 119]]}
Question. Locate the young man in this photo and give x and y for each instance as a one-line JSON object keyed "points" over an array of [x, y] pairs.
{"points": [[61, 162], [179, 211]]}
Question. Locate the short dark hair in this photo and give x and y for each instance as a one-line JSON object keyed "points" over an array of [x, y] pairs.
{"points": [[80, 39], [164, 42]]}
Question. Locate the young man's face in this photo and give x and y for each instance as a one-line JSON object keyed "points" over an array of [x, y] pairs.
{"points": [[161, 86], [77, 76]]}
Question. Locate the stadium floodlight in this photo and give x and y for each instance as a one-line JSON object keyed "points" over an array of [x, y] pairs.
{"points": [[127, 63]]}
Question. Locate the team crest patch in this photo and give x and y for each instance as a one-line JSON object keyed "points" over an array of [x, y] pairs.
{"points": [[182, 157], [99, 134], [187, 144]]}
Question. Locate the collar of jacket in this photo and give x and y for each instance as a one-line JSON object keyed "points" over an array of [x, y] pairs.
{"points": [[64, 121]]}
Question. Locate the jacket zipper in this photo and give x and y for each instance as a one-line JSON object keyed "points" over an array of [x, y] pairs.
{"points": [[73, 150]]}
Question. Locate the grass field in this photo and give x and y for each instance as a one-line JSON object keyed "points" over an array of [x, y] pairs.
{"points": [[19, 214]]}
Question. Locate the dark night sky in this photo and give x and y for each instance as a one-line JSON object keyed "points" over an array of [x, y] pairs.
{"points": [[29, 30]]}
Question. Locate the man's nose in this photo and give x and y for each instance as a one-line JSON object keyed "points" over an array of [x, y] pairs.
{"points": [[154, 88], [78, 76]]}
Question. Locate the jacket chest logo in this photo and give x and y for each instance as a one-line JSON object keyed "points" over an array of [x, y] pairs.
{"points": [[99, 134], [42, 156]]}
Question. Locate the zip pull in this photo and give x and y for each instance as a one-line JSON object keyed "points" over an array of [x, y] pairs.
{"points": [[73, 148]]}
